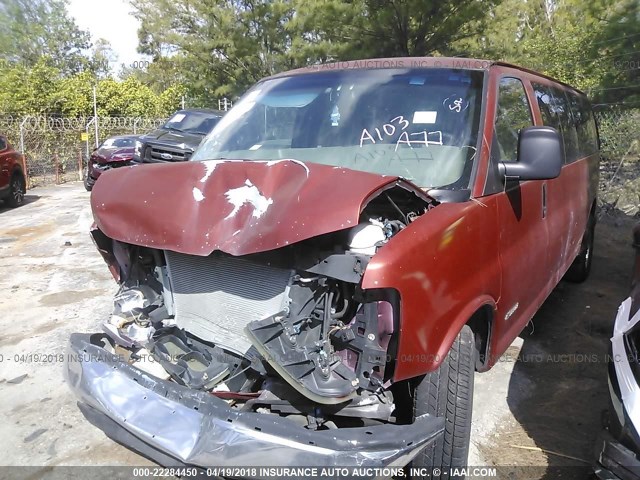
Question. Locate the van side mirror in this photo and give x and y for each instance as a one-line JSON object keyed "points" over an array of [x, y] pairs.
{"points": [[539, 155]]}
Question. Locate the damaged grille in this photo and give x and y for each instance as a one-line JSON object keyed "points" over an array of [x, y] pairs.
{"points": [[166, 153], [215, 297]]}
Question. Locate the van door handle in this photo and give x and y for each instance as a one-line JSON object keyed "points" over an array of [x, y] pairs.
{"points": [[544, 200]]}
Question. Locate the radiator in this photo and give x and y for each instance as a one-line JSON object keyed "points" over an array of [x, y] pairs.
{"points": [[215, 297]]}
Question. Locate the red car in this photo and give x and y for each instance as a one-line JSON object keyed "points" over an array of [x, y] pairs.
{"points": [[347, 246], [114, 152], [12, 181]]}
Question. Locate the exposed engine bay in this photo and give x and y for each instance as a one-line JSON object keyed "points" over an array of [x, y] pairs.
{"points": [[287, 331]]}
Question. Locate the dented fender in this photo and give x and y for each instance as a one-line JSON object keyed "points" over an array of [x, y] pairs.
{"points": [[432, 266]]}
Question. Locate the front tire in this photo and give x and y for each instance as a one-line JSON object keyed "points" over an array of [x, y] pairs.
{"points": [[448, 393], [88, 182], [17, 189]]}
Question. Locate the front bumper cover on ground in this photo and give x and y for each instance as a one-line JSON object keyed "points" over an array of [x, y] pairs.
{"points": [[616, 461], [175, 425]]}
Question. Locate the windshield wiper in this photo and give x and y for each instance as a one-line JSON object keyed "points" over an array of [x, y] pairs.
{"points": [[173, 129]]}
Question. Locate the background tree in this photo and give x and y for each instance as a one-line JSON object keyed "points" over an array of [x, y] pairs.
{"points": [[28, 90], [206, 49], [102, 56], [225, 46], [32, 30], [594, 46]]}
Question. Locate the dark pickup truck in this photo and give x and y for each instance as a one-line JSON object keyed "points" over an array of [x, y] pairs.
{"points": [[176, 140]]}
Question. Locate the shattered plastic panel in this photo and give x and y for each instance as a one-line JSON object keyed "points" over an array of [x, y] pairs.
{"points": [[629, 389], [233, 206]]}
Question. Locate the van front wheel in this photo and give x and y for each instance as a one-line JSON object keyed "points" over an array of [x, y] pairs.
{"points": [[448, 392]]}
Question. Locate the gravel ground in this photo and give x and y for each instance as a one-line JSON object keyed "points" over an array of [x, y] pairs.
{"points": [[53, 282], [536, 408]]}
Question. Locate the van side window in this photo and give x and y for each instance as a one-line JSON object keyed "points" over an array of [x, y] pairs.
{"points": [[547, 104], [553, 110], [3, 143], [571, 144], [585, 124], [569, 133], [512, 115]]}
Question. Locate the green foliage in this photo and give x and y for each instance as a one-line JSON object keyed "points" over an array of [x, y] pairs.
{"points": [[32, 30], [30, 90], [561, 56], [594, 46], [219, 48], [171, 99], [130, 98], [225, 46], [616, 49], [206, 49], [74, 96], [43, 90]]}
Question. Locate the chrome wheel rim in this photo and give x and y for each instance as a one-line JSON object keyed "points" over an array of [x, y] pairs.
{"points": [[18, 195]]}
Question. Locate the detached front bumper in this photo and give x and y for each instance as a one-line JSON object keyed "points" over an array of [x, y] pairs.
{"points": [[619, 446], [175, 425], [616, 462]]}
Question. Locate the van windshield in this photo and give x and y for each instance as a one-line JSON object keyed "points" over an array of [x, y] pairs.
{"points": [[419, 124]]}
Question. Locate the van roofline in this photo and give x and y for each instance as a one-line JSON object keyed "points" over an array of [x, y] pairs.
{"points": [[422, 62], [539, 74]]}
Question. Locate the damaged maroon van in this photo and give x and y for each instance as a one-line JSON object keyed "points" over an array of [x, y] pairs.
{"points": [[349, 244]]}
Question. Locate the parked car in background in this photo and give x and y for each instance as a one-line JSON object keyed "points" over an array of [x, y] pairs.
{"points": [[345, 249], [619, 451], [114, 152], [176, 140], [12, 182]]}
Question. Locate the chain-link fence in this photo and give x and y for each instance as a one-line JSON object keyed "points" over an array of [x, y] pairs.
{"points": [[56, 149], [619, 130]]}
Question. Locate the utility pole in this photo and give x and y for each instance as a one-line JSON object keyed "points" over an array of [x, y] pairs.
{"points": [[95, 113], [22, 134]]}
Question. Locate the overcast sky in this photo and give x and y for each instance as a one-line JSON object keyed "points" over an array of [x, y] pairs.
{"points": [[111, 20]]}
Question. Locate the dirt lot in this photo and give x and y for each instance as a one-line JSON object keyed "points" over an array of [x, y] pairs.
{"points": [[548, 394], [52, 283]]}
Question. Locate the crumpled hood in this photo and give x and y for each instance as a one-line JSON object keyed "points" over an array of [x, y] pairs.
{"points": [[106, 154], [238, 207]]}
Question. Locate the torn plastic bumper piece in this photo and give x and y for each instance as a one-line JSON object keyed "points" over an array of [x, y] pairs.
{"points": [[175, 425], [616, 462], [628, 387]]}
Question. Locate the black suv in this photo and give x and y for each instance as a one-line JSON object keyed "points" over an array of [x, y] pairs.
{"points": [[176, 140]]}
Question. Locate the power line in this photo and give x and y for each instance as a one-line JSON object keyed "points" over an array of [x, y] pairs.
{"points": [[635, 104], [622, 54], [614, 39]]}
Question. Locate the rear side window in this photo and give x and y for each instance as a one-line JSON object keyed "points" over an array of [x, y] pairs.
{"points": [[569, 133], [513, 114], [585, 124], [3, 143], [547, 104], [556, 112]]}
